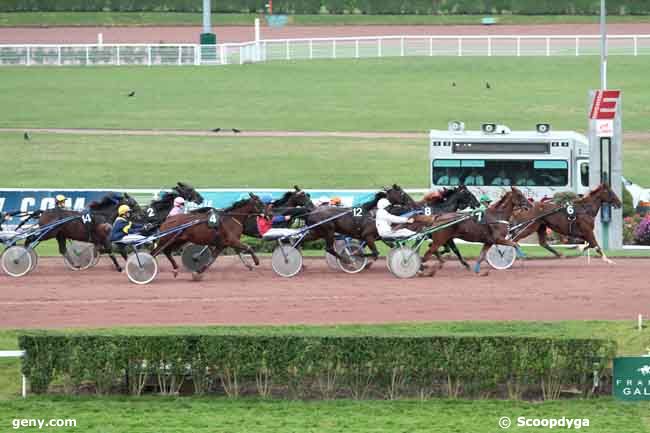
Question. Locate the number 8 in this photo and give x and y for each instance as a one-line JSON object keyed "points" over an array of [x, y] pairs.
{"points": [[427, 211]]}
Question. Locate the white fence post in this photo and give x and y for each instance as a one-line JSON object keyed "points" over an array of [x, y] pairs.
{"points": [[87, 55], [58, 55], [577, 46], [288, 50], [222, 55], [356, 48], [118, 55], [401, 47], [489, 46], [148, 55], [180, 55], [379, 47], [518, 46], [431, 47], [311, 49], [548, 47], [636, 45], [29, 57], [197, 55], [334, 48], [460, 47]]}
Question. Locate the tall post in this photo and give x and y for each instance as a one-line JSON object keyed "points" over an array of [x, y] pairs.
{"points": [[208, 40], [257, 40], [603, 46]]}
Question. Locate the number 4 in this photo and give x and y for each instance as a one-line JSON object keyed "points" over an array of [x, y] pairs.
{"points": [[212, 219], [86, 218]]}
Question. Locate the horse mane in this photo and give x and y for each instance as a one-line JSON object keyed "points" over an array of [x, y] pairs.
{"points": [[237, 204], [106, 201], [501, 200], [282, 200], [373, 201], [591, 193]]}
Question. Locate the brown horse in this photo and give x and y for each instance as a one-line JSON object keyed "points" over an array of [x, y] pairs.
{"points": [[226, 230], [492, 228], [580, 224]]}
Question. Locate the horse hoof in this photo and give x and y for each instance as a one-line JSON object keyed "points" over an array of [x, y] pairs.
{"points": [[197, 276], [175, 273], [483, 273]]}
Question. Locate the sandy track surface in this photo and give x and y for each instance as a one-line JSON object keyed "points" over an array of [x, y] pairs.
{"points": [[568, 289]]}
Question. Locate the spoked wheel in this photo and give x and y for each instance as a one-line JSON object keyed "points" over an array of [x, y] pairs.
{"points": [[141, 268], [79, 256], [98, 253], [354, 259], [34, 254], [17, 261], [405, 262], [388, 258], [286, 260], [196, 257], [332, 263], [501, 256]]}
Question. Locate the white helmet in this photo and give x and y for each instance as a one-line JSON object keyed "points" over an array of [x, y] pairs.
{"points": [[179, 201], [383, 203]]}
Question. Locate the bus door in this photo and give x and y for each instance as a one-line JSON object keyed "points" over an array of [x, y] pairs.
{"points": [[582, 176]]}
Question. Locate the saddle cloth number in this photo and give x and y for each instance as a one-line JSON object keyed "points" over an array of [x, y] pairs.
{"points": [[151, 212], [87, 218], [213, 220], [570, 210]]}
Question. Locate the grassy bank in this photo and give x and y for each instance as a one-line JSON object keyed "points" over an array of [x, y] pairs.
{"points": [[391, 94], [194, 19]]}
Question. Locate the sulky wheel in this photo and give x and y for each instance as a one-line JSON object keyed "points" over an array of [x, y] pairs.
{"points": [[501, 256], [354, 258], [405, 262], [34, 254], [79, 256], [286, 260], [332, 263], [141, 268], [16, 261], [196, 257]]}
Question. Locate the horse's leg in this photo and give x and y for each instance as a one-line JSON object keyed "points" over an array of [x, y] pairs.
{"points": [[541, 235], [481, 257], [452, 245], [238, 245], [168, 252], [593, 243], [60, 239]]}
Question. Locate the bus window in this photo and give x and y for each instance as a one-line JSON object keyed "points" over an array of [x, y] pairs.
{"points": [[584, 174], [503, 172]]}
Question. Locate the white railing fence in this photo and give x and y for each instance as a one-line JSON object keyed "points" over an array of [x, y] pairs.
{"points": [[319, 48]]}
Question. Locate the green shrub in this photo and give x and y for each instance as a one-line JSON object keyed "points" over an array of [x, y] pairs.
{"points": [[628, 203], [307, 367]]}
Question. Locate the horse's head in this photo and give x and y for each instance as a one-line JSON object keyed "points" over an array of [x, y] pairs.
{"points": [[256, 204], [605, 193], [518, 199], [188, 192], [397, 196], [298, 198], [465, 198]]}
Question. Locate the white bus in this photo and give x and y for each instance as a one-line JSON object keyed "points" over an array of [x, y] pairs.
{"points": [[540, 162]]}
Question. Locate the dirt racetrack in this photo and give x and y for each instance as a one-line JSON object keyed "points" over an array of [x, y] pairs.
{"points": [[533, 290]]}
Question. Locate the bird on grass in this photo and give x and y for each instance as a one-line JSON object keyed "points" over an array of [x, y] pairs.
{"points": [[487, 85], [132, 93], [27, 136], [216, 130], [235, 130]]}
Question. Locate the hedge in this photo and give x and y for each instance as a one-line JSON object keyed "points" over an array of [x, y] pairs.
{"points": [[421, 7], [313, 367]]}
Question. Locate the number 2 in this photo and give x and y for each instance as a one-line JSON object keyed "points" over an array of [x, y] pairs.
{"points": [[151, 213]]}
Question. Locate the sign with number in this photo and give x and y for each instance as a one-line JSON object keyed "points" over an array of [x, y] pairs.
{"points": [[213, 220], [604, 104], [151, 213], [357, 212], [86, 218]]}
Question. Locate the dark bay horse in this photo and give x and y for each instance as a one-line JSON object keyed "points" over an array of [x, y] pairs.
{"points": [[294, 203], [158, 210], [578, 224], [226, 233], [93, 225], [434, 203], [491, 229]]}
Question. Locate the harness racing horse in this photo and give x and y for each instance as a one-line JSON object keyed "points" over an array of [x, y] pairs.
{"points": [[576, 219], [491, 229], [92, 226], [158, 210], [294, 203], [445, 201], [217, 229]]}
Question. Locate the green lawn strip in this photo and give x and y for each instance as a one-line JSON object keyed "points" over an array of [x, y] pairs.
{"points": [[390, 94], [52, 161], [194, 19], [191, 415]]}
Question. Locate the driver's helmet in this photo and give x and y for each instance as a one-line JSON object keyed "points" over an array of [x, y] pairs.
{"points": [[179, 202], [60, 200], [485, 199], [123, 210]]}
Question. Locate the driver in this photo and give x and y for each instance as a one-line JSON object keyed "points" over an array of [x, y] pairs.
{"points": [[59, 201], [123, 226], [179, 207], [384, 219]]}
